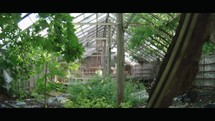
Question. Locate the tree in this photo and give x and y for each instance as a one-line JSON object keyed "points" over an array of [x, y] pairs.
{"points": [[26, 49]]}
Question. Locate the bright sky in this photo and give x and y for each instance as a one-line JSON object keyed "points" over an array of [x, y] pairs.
{"points": [[28, 21]]}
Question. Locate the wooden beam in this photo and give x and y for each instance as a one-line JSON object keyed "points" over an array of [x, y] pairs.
{"points": [[105, 48], [120, 60], [104, 24], [109, 51], [129, 21], [100, 24], [181, 62], [94, 55], [96, 38]]}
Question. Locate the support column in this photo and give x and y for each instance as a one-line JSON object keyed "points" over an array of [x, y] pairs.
{"points": [[120, 59], [109, 51], [104, 73]]}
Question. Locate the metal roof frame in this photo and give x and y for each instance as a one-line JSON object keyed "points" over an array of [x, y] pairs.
{"points": [[91, 27]]}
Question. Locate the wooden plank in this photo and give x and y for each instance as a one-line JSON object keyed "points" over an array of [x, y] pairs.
{"points": [[169, 63], [184, 51], [96, 38], [206, 71], [206, 64], [205, 78]]}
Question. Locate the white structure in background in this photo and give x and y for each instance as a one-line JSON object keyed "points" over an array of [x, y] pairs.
{"points": [[8, 79], [128, 59]]}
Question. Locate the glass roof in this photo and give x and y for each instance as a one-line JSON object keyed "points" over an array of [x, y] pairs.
{"points": [[92, 28]]}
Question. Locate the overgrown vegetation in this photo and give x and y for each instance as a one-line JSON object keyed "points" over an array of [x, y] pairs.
{"points": [[25, 53], [208, 48], [153, 36], [101, 93]]}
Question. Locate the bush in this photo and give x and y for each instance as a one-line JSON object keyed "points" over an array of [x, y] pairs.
{"points": [[99, 92], [87, 103]]}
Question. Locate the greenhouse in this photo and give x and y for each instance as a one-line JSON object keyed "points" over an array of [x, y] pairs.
{"points": [[107, 60]]}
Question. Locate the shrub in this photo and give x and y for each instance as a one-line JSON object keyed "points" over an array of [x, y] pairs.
{"points": [[101, 92]]}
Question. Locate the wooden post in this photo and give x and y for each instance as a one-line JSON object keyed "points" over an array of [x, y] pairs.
{"points": [[120, 59], [109, 51], [104, 73], [45, 91]]}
